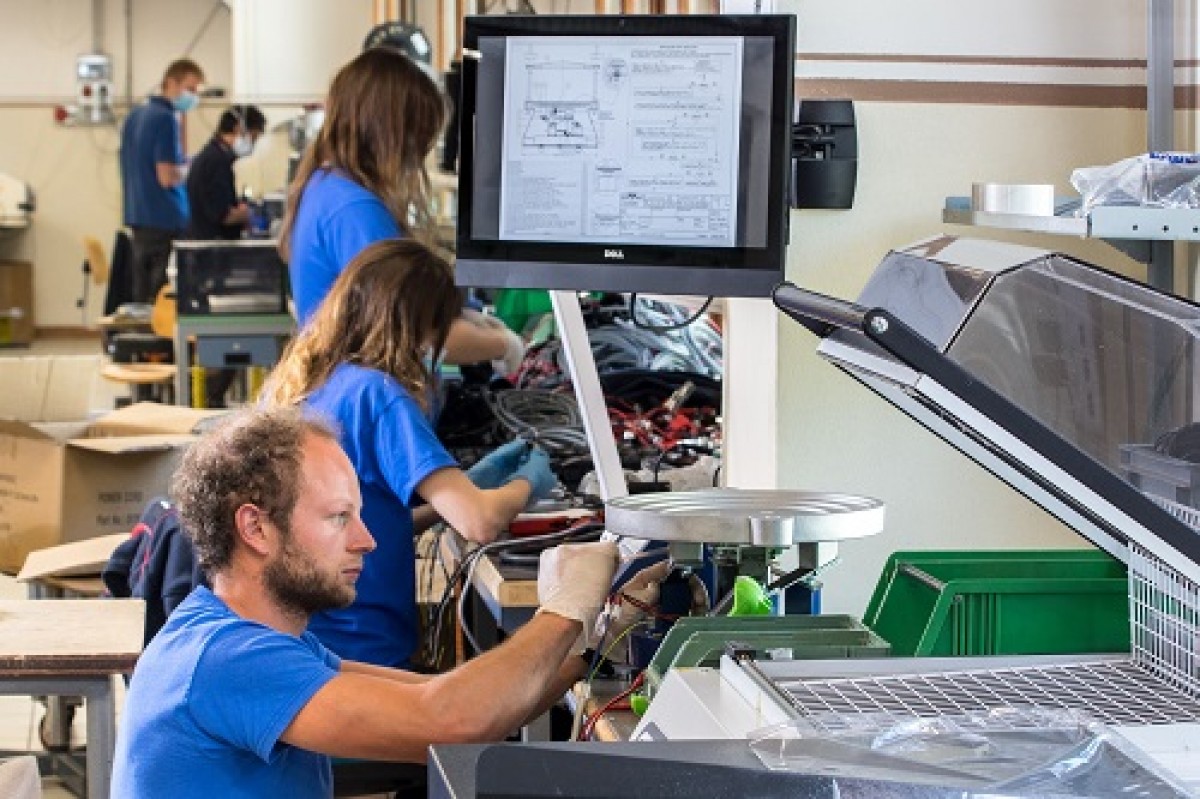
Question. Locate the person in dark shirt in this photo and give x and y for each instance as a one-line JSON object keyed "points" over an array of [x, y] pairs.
{"points": [[217, 211]]}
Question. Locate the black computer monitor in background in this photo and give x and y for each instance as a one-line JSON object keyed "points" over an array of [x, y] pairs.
{"points": [[625, 153], [453, 80]]}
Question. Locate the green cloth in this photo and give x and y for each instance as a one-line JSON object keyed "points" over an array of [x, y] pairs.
{"points": [[515, 307]]}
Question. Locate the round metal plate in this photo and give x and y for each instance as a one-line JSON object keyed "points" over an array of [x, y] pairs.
{"points": [[744, 516]]}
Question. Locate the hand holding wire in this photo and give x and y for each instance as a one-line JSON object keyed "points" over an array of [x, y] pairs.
{"points": [[573, 582], [535, 469]]}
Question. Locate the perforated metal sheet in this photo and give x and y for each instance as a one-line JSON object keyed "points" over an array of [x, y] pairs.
{"points": [[1114, 692]]}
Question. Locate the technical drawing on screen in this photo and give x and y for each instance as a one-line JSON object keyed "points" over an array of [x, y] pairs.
{"points": [[633, 139], [639, 153]]}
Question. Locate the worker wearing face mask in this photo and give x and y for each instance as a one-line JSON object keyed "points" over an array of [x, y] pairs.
{"points": [[217, 210], [153, 170]]}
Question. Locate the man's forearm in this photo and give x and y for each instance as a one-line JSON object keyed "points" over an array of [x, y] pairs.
{"points": [[398, 675], [513, 682], [572, 670]]}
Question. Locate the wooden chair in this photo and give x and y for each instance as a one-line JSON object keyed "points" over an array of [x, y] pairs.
{"points": [[152, 382]]}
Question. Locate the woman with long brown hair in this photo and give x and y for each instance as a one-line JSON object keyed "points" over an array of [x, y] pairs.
{"points": [[361, 362], [363, 179]]}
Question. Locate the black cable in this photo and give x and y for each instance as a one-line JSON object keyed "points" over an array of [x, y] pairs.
{"points": [[659, 460], [633, 317], [519, 556], [547, 538], [464, 566]]}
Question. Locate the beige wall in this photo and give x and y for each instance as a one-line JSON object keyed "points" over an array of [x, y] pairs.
{"points": [[288, 50], [833, 433]]}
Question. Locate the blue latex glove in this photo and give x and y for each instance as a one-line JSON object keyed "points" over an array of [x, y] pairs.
{"points": [[497, 467], [536, 470]]}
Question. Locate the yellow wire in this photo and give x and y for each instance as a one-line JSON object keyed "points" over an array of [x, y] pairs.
{"points": [[613, 645]]}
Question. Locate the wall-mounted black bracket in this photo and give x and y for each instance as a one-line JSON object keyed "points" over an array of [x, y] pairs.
{"points": [[824, 154]]}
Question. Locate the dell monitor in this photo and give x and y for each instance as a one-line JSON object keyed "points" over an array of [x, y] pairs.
{"points": [[626, 153]]}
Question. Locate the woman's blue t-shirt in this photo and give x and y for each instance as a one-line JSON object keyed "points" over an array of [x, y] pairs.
{"points": [[336, 220], [393, 448]]}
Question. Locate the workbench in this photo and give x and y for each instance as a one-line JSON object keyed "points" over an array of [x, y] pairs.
{"points": [[227, 340], [74, 647]]}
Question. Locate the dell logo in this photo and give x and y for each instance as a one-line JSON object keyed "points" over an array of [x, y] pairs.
{"points": [[614, 254]]}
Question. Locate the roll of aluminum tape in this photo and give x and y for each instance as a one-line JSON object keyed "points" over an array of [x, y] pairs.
{"points": [[1033, 199]]}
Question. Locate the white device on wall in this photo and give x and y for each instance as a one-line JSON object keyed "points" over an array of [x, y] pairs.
{"points": [[93, 89]]}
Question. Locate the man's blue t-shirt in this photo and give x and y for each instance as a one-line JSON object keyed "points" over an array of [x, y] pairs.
{"points": [[149, 137], [393, 448], [208, 701], [336, 220]]}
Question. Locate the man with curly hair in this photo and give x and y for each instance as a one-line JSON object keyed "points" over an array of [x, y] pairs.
{"points": [[233, 698]]}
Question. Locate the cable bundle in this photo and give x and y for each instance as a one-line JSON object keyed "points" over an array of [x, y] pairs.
{"points": [[648, 335], [432, 651], [551, 419]]}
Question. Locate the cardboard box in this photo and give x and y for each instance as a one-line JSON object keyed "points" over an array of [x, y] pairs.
{"points": [[47, 389], [76, 559], [70, 482]]}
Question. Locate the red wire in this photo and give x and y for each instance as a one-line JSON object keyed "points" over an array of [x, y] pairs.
{"points": [[642, 606], [585, 732]]}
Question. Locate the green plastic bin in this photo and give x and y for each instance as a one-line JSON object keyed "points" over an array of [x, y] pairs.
{"points": [[700, 640], [1016, 602]]}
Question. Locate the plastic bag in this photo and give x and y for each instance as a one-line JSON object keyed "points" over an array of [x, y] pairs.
{"points": [[1010, 751], [1158, 180]]}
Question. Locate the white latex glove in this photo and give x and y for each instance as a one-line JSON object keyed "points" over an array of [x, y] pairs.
{"points": [[642, 590], [574, 581], [628, 608], [494, 322], [514, 352]]}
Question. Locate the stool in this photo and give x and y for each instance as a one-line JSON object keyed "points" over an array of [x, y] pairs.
{"points": [[152, 382]]}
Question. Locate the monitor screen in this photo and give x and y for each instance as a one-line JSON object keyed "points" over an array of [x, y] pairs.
{"points": [[626, 153]]}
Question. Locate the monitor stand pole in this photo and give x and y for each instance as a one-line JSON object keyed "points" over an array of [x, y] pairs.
{"points": [[586, 382]]}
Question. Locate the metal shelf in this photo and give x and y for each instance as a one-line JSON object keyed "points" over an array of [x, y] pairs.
{"points": [[956, 213], [1128, 228], [1112, 222]]}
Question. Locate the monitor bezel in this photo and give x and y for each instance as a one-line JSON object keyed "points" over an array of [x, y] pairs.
{"points": [[671, 269]]}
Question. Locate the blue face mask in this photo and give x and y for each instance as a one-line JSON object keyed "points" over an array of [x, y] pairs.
{"points": [[185, 102]]}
